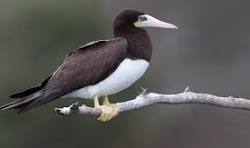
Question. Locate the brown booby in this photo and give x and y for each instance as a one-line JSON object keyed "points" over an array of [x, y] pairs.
{"points": [[99, 68]]}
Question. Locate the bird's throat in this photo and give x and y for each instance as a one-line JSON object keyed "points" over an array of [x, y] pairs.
{"points": [[139, 43]]}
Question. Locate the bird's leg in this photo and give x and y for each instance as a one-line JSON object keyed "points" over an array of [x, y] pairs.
{"points": [[96, 102], [106, 101], [109, 110]]}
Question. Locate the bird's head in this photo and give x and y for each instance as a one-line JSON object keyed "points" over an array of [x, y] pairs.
{"points": [[135, 19]]}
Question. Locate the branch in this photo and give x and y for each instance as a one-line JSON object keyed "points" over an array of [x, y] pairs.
{"points": [[147, 99]]}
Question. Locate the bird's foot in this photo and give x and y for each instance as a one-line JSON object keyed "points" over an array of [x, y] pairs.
{"points": [[73, 108], [109, 110]]}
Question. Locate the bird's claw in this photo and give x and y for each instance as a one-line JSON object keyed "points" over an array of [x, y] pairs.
{"points": [[109, 111]]}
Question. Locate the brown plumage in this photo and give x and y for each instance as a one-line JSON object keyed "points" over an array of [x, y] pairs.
{"points": [[89, 64], [83, 66]]}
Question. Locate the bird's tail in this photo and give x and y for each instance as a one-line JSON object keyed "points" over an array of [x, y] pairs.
{"points": [[23, 104]]}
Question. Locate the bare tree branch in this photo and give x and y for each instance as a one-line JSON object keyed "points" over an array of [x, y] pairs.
{"points": [[147, 99]]}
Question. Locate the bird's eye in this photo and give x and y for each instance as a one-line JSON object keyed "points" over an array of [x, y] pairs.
{"points": [[142, 18]]}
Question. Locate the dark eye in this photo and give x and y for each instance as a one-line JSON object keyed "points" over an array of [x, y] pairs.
{"points": [[142, 18]]}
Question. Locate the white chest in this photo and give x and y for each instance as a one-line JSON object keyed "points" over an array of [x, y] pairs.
{"points": [[124, 76]]}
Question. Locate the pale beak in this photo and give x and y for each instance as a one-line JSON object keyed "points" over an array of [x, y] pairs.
{"points": [[153, 22]]}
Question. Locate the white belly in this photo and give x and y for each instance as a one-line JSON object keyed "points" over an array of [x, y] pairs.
{"points": [[124, 76]]}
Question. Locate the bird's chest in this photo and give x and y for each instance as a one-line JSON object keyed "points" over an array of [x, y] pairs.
{"points": [[124, 76]]}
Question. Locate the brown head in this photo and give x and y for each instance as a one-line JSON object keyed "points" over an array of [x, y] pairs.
{"points": [[129, 24]]}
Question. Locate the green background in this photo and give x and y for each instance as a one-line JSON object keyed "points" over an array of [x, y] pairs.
{"points": [[210, 53]]}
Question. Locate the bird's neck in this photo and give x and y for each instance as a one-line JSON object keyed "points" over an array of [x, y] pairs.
{"points": [[139, 43]]}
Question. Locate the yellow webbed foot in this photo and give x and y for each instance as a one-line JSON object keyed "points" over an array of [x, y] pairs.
{"points": [[109, 110]]}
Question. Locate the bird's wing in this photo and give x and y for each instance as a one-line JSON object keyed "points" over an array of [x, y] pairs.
{"points": [[37, 88], [86, 65]]}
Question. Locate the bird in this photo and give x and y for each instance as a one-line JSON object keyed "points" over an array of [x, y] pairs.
{"points": [[99, 68]]}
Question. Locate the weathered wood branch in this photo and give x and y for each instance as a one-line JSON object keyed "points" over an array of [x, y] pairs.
{"points": [[147, 99]]}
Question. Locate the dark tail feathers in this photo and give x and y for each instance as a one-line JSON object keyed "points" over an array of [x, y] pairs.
{"points": [[22, 104]]}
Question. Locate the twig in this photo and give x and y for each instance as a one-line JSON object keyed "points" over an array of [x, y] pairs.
{"points": [[146, 99]]}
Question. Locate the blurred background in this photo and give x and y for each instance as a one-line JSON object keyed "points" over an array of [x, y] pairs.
{"points": [[210, 53]]}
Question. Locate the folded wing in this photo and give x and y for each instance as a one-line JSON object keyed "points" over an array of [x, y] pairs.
{"points": [[86, 65]]}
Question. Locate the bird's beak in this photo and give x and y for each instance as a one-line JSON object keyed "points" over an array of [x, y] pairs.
{"points": [[150, 21]]}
